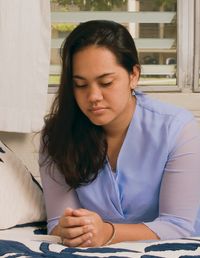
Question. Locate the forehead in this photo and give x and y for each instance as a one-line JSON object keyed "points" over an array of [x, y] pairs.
{"points": [[93, 57]]}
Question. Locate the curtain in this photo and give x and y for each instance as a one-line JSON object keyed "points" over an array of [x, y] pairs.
{"points": [[24, 63]]}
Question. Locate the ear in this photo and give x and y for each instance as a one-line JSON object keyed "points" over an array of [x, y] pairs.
{"points": [[134, 76]]}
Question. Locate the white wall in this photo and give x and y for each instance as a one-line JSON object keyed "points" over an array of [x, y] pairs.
{"points": [[190, 101], [26, 145]]}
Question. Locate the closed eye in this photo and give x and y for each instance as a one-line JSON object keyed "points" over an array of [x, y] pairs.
{"points": [[106, 84], [80, 85]]}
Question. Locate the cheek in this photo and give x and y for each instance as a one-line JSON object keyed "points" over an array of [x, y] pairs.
{"points": [[121, 98], [121, 93]]}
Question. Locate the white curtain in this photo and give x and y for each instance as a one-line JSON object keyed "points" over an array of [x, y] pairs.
{"points": [[24, 63]]}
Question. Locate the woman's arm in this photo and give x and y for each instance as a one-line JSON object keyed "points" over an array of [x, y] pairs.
{"points": [[180, 187], [57, 193]]}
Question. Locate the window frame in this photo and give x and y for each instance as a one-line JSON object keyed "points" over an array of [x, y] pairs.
{"points": [[197, 47], [185, 64]]}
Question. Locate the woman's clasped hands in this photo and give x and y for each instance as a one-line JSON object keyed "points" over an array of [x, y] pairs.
{"points": [[83, 228]]}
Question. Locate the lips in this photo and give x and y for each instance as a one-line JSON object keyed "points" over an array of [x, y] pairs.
{"points": [[97, 110]]}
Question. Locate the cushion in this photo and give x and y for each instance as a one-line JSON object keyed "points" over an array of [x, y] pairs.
{"points": [[21, 197]]}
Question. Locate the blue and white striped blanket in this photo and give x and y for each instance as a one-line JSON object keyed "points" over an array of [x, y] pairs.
{"points": [[29, 242]]}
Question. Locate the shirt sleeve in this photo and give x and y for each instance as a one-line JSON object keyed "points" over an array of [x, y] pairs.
{"points": [[57, 194], [180, 187]]}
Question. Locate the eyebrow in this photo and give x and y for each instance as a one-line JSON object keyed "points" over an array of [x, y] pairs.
{"points": [[98, 77]]}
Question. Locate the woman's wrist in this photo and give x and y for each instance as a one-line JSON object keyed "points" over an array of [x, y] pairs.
{"points": [[112, 235]]}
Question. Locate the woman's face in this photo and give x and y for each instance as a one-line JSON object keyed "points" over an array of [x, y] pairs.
{"points": [[102, 88]]}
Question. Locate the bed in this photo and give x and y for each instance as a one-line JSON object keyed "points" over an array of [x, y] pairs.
{"points": [[23, 223], [32, 241]]}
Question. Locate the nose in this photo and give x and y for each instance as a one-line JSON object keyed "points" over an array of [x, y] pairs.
{"points": [[94, 94]]}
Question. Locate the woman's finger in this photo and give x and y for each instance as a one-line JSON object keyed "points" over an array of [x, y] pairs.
{"points": [[81, 212], [78, 241], [71, 221], [68, 212], [87, 243], [74, 232]]}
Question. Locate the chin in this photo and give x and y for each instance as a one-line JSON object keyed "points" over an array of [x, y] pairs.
{"points": [[99, 122]]}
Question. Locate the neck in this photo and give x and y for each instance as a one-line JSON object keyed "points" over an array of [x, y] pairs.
{"points": [[120, 126]]}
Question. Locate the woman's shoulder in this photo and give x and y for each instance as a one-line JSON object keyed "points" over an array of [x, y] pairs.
{"points": [[161, 109]]}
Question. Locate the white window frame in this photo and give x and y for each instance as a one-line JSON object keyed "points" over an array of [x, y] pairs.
{"points": [[185, 45], [197, 47]]}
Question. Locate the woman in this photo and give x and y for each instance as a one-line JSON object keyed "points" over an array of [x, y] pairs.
{"points": [[115, 164]]}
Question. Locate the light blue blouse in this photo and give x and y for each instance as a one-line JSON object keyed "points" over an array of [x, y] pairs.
{"points": [[157, 177]]}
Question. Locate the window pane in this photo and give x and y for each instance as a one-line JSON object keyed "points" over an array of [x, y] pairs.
{"points": [[157, 43], [152, 24]]}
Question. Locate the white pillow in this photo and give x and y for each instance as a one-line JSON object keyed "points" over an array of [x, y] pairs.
{"points": [[21, 197]]}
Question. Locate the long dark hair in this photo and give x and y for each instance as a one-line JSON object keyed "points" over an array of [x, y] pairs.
{"points": [[74, 144]]}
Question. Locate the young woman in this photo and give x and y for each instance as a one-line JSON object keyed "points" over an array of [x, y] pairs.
{"points": [[115, 164]]}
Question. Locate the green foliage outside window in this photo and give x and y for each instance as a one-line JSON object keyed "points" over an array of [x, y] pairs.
{"points": [[93, 5], [109, 5]]}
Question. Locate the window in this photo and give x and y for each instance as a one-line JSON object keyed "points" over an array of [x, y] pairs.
{"points": [[160, 28]]}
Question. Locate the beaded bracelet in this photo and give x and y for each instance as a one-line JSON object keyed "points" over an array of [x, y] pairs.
{"points": [[113, 233]]}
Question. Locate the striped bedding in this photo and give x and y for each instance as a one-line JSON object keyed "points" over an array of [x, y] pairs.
{"points": [[32, 241]]}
